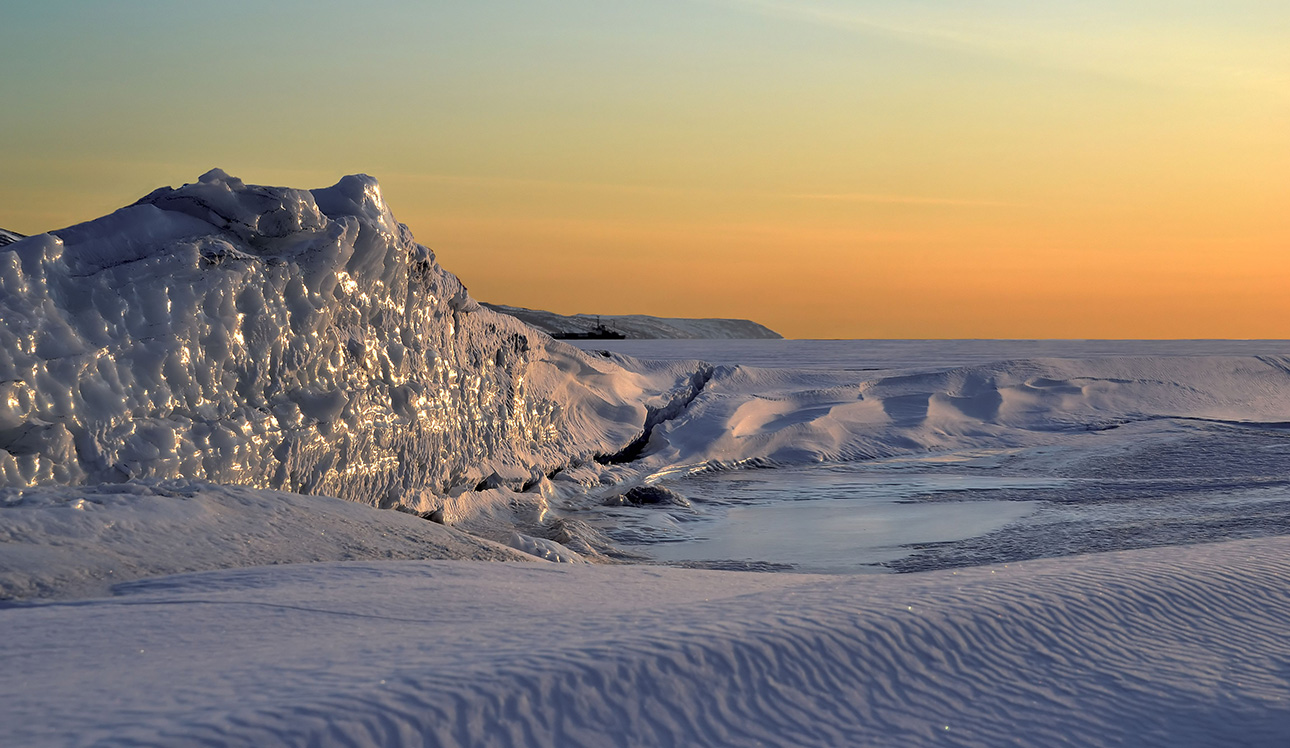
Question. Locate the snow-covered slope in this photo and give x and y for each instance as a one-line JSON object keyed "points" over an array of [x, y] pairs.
{"points": [[8, 237], [78, 541], [286, 339], [638, 326]]}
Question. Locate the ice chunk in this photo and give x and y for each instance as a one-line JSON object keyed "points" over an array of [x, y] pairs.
{"points": [[543, 548]]}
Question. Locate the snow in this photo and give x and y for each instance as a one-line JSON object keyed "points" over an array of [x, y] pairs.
{"points": [[8, 237], [785, 416], [303, 341], [228, 379], [639, 326], [543, 548], [1162, 647], [74, 542]]}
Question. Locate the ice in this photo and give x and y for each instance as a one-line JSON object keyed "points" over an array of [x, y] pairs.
{"points": [[878, 355], [849, 529], [302, 340], [286, 339], [176, 376], [796, 416], [543, 548]]}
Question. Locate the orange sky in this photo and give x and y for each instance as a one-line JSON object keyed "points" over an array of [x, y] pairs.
{"points": [[831, 169]]}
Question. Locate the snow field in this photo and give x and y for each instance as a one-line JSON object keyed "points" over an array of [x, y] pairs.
{"points": [[1162, 647]]}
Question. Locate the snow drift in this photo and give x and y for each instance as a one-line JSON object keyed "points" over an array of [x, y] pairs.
{"points": [[79, 541], [1161, 647]]}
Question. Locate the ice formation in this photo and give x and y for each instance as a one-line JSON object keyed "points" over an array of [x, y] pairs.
{"points": [[287, 339], [303, 341], [800, 417]]}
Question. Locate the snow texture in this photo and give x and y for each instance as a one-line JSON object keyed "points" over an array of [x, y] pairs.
{"points": [[71, 542], [8, 237], [639, 326], [1162, 647]]}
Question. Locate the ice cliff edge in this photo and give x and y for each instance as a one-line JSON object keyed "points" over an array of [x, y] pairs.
{"points": [[280, 338]]}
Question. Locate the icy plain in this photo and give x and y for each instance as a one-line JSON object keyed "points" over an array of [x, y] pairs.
{"points": [[1178, 646], [191, 382]]}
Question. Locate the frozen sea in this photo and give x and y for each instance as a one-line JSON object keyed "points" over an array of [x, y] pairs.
{"points": [[876, 355], [1153, 482]]}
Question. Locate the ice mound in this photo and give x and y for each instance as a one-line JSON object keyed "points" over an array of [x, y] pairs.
{"points": [[280, 338], [782, 416]]}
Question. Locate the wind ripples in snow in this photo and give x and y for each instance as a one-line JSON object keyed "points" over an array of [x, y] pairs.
{"points": [[1177, 646]]}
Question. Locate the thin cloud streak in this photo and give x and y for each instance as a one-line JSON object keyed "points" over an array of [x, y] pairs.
{"points": [[805, 11], [1156, 56]]}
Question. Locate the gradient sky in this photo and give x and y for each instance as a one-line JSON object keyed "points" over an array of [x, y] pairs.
{"points": [[869, 168]]}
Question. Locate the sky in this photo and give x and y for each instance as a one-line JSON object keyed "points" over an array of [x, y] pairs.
{"points": [[832, 169]]}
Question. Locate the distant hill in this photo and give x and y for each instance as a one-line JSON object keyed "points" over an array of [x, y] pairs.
{"points": [[636, 326], [9, 237]]}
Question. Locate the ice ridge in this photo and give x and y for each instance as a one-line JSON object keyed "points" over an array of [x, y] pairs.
{"points": [[281, 338]]}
